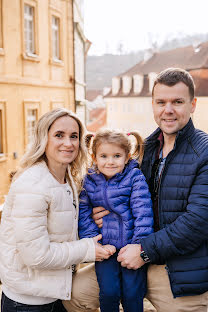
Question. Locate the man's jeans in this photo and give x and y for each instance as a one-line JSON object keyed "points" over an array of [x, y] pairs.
{"points": [[8, 305]]}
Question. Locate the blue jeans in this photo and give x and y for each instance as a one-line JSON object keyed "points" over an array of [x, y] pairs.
{"points": [[117, 283], [8, 305]]}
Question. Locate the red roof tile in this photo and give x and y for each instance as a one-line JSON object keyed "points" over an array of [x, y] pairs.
{"points": [[98, 123]]}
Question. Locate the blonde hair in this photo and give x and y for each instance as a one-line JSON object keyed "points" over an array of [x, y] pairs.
{"points": [[36, 149], [119, 138]]}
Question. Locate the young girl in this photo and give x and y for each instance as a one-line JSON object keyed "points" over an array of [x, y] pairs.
{"points": [[116, 183]]}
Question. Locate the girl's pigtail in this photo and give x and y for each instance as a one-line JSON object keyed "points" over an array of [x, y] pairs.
{"points": [[139, 147], [88, 138]]}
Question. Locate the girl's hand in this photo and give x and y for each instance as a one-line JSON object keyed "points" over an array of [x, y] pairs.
{"points": [[100, 252], [110, 248]]}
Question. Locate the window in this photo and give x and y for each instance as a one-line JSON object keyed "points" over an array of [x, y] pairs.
{"points": [[55, 38], [2, 130], [29, 29], [31, 117], [126, 108], [31, 121]]}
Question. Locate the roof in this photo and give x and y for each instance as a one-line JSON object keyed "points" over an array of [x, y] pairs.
{"points": [[91, 95], [94, 113], [188, 58], [201, 81], [98, 123]]}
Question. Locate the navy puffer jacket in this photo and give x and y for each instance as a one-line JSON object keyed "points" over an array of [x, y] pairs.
{"points": [[182, 241], [127, 197]]}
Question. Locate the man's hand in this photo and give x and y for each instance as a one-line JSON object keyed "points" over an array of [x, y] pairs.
{"points": [[129, 256], [98, 214]]}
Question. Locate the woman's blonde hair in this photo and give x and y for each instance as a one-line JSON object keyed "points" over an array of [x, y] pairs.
{"points": [[36, 149], [119, 138]]}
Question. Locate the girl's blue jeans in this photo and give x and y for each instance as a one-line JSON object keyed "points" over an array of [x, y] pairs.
{"points": [[120, 284], [8, 305]]}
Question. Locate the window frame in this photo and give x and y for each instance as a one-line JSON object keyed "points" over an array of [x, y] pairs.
{"points": [[29, 105], [55, 36], [30, 55], [53, 13]]}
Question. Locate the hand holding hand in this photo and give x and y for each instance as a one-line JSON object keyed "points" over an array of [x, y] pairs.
{"points": [[98, 214], [100, 252], [129, 256], [110, 248]]}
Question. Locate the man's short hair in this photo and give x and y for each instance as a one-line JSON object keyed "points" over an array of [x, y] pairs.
{"points": [[172, 76]]}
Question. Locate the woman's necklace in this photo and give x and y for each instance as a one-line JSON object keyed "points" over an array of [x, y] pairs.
{"points": [[57, 178]]}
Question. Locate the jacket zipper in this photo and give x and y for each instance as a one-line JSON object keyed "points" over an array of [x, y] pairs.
{"points": [[169, 157], [109, 208]]}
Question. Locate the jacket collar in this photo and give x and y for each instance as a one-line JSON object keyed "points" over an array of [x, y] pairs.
{"points": [[99, 177], [181, 135]]}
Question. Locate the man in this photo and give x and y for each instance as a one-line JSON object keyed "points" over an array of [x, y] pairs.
{"points": [[175, 164]]}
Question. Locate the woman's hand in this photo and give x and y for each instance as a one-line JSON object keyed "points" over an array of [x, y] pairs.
{"points": [[98, 214], [100, 252], [110, 248]]}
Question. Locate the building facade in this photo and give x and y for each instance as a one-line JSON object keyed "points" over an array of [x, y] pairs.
{"points": [[129, 103], [36, 72], [81, 46]]}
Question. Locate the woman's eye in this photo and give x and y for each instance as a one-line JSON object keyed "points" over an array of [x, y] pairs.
{"points": [[58, 135], [74, 136], [117, 156], [103, 156]]}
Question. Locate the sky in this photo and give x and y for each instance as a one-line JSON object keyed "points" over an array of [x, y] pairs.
{"points": [[133, 25]]}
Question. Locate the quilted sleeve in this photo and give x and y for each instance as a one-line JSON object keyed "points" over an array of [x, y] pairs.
{"points": [[141, 206], [87, 226], [29, 217], [189, 231]]}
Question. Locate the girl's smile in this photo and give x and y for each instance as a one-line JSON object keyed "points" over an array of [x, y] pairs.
{"points": [[110, 159]]}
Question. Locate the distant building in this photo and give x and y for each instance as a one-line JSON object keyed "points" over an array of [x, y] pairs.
{"points": [[98, 119], [128, 103], [96, 110], [36, 72]]}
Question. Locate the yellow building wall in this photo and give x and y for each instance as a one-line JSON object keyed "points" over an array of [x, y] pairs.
{"points": [[135, 113], [32, 81]]}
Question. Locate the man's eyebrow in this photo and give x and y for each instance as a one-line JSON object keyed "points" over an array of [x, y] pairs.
{"points": [[174, 99]]}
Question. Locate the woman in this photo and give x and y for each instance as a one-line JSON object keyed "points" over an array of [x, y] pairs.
{"points": [[38, 234]]}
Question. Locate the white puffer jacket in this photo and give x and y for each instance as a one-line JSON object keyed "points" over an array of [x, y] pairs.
{"points": [[38, 236]]}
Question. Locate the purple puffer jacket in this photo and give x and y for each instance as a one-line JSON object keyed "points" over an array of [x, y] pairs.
{"points": [[126, 196]]}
